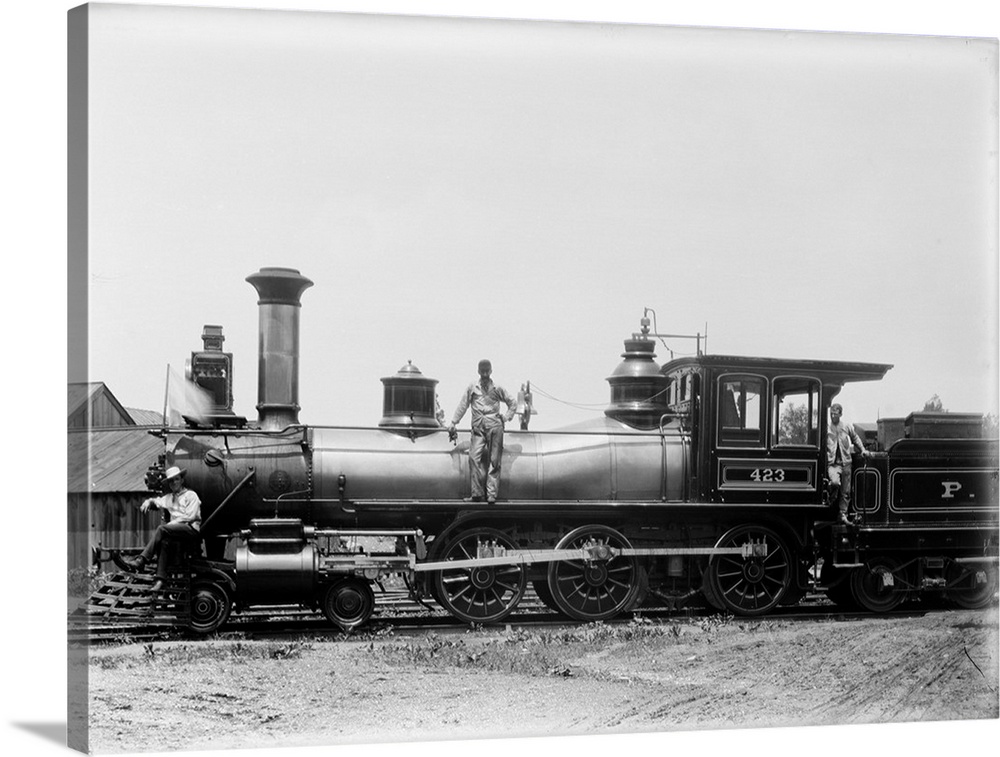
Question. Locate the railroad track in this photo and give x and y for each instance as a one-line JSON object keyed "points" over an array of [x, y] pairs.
{"points": [[396, 612], [394, 609]]}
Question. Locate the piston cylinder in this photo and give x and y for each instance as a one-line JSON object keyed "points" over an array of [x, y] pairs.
{"points": [[277, 564]]}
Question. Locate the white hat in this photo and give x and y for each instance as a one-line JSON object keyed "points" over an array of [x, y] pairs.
{"points": [[173, 472]]}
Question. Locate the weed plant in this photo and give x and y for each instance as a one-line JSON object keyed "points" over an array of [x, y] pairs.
{"points": [[82, 582], [522, 650], [186, 654]]}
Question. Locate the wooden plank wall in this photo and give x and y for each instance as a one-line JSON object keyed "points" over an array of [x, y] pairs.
{"points": [[111, 521], [114, 522]]}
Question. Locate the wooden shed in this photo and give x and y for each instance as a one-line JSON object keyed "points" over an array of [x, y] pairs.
{"points": [[92, 405], [108, 456]]}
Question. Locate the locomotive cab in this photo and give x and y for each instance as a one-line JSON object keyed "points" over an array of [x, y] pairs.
{"points": [[759, 425]]}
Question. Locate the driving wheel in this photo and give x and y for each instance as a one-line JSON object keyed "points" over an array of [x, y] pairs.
{"points": [[755, 584], [479, 594], [541, 587], [599, 588]]}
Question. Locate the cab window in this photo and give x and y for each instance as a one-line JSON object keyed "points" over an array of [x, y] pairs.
{"points": [[741, 411], [796, 412]]}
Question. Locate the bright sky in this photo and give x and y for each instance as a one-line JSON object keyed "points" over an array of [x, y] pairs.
{"points": [[521, 191]]}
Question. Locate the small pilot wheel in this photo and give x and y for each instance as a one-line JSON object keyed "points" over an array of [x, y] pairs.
{"points": [[874, 585], [210, 607], [483, 593], [349, 603], [595, 589], [971, 587], [751, 585]]}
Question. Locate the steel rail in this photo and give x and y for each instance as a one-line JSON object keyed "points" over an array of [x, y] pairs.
{"points": [[417, 619]]}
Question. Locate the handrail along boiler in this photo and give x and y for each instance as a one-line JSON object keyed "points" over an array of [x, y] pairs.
{"points": [[703, 476]]}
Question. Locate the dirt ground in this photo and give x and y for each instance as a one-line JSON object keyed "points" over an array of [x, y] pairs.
{"points": [[678, 674]]}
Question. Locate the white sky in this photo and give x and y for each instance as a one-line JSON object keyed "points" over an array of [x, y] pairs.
{"points": [[459, 189]]}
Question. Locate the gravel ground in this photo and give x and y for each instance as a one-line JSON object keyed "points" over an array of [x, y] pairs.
{"points": [[640, 677]]}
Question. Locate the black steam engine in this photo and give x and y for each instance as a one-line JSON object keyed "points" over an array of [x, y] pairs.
{"points": [[705, 476]]}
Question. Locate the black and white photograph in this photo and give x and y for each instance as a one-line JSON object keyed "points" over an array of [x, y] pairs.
{"points": [[505, 376]]}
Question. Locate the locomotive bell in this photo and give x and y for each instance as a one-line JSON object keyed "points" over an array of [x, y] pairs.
{"points": [[408, 400], [638, 389]]}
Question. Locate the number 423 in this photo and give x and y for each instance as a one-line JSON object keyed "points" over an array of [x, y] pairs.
{"points": [[768, 475]]}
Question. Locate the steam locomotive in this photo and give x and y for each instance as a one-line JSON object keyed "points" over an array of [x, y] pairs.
{"points": [[694, 482]]}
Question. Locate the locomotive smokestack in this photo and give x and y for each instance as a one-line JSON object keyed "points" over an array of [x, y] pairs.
{"points": [[279, 290]]}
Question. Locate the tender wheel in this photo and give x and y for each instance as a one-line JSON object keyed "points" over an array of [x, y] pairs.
{"points": [[210, 607], [874, 586], [972, 587], [349, 603], [484, 594], [593, 590], [750, 585]]}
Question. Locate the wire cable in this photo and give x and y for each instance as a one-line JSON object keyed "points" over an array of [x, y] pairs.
{"points": [[584, 406]]}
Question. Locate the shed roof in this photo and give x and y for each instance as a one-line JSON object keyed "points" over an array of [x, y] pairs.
{"points": [[146, 417], [79, 393], [111, 459], [80, 396]]}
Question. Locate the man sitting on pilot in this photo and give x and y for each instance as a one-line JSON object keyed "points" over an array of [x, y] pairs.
{"points": [[184, 510]]}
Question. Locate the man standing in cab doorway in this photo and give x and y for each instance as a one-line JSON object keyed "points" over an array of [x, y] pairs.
{"points": [[486, 449], [839, 438]]}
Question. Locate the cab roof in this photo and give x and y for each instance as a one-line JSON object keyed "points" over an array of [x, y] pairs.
{"points": [[828, 371]]}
